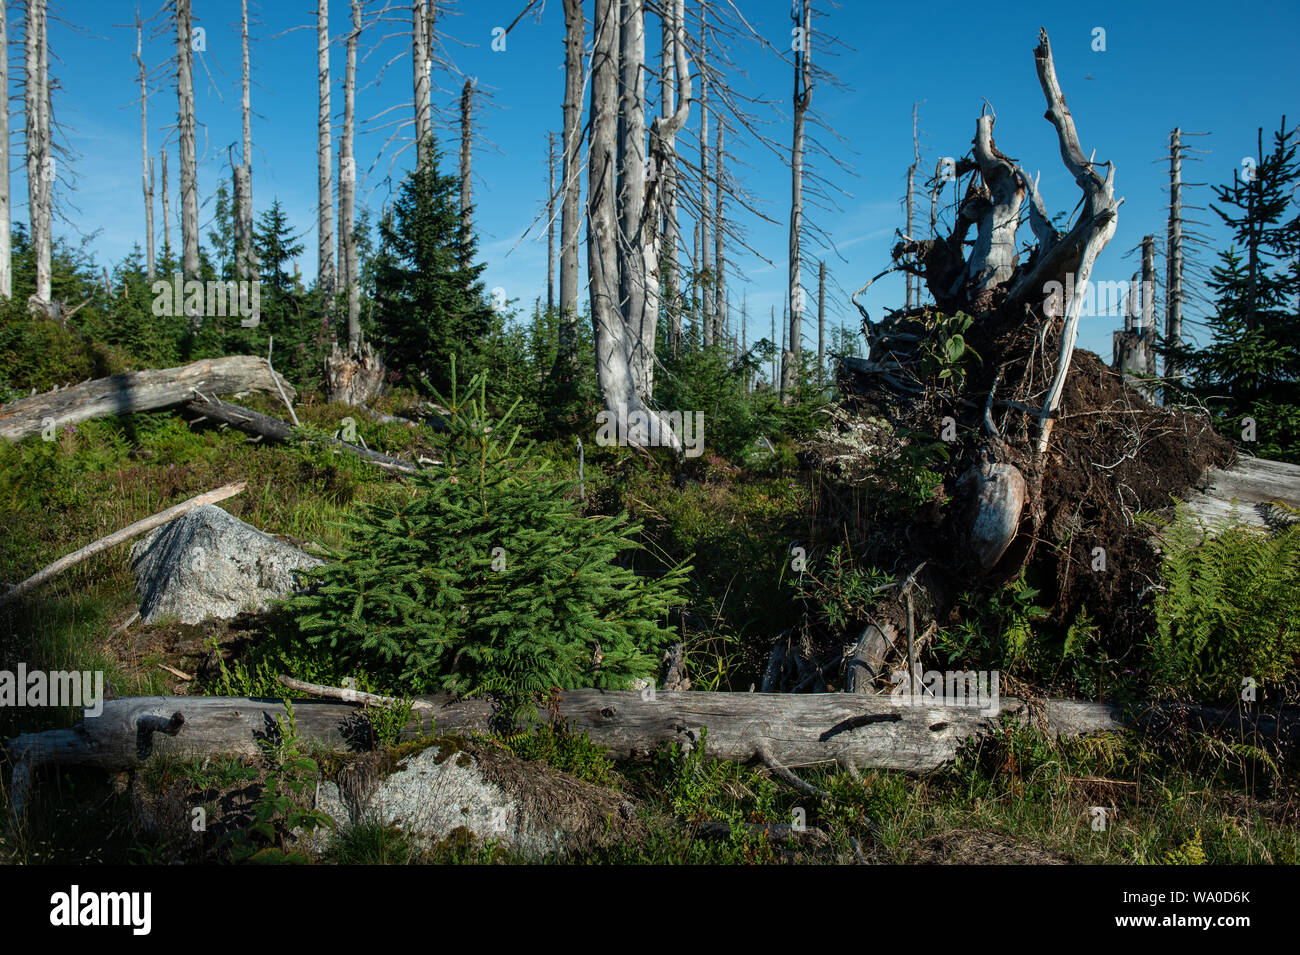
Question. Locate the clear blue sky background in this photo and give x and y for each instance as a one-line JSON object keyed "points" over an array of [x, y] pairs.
{"points": [[1207, 67]]}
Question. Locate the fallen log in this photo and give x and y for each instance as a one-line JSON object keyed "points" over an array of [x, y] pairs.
{"points": [[1250, 485], [279, 431], [138, 391], [798, 730], [119, 537]]}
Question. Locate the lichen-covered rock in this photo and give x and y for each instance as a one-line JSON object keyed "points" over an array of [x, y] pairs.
{"points": [[209, 564], [527, 807]]}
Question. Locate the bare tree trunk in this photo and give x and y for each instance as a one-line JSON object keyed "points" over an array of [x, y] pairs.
{"points": [[571, 188], [6, 266], [146, 165], [802, 97], [706, 260], [774, 366], [720, 316], [245, 256], [325, 267], [348, 186], [785, 327], [185, 122], [550, 221], [821, 319], [1174, 253], [466, 156], [913, 297], [353, 374], [744, 338], [648, 238], [612, 333], [632, 182], [695, 270], [166, 208], [40, 164], [422, 65], [668, 180]]}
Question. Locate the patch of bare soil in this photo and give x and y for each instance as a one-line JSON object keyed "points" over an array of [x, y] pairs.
{"points": [[983, 847], [197, 649]]}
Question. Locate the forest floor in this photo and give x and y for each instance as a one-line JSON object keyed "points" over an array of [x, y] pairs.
{"points": [[1013, 798]]}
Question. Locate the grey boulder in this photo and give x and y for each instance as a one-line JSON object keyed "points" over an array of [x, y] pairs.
{"points": [[208, 563], [453, 785]]}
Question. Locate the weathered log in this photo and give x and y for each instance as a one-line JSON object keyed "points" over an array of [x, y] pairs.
{"points": [[138, 391], [798, 730], [277, 430], [1251, 484], [119, 537]]}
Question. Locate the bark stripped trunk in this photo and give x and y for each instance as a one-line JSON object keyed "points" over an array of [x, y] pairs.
{"points": [[348, 186], [146, 164], [1174, 254], [786, 730], [632, 275], [821, 318], [613, 333], [6, 266], [913, 281], [245, 256], [422, 66], [570, 211], [40, 163], [775, 373], [706, 256], [648, 238], [668, 178], [138, 391], [720, 316], [189, 159], [354, 373], [466, 157], [325, 267], [166, 208], [802, 97], [550, 222]]}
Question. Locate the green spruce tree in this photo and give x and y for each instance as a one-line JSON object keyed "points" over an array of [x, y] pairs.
{"points": [[488, 578], [1251, 366], [431, 306]]}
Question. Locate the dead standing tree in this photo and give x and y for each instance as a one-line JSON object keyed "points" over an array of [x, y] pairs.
{"points": [[1019, 308], [146, 163], [245, 256], [624, 334], [325, 267], [802, 97], [185, 130], [40, 161], [6, 266], [571, 186], [355, 374]]}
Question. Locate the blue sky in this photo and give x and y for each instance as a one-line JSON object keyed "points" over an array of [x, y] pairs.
{"points": [[1203, 66]]}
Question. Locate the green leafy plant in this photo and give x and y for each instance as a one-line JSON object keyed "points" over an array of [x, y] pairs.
{"points": [[841, 589], [1189, 853], [1230, 610], [280, 809], [995, 631], [944, 347]]}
